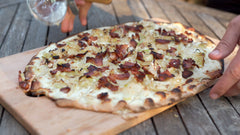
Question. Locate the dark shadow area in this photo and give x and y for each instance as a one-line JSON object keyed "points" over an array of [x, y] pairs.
{"points": [[226, 5]]}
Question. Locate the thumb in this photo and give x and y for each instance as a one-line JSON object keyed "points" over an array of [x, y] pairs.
{"points": [[229, 40]]}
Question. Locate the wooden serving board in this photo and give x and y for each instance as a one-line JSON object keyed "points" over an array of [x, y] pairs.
{"points": [[39, 115]]}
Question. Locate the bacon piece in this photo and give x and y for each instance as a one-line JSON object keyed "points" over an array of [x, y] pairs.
{"points": [[92, 38], [129, 66], [133, 43], [172, 50], [94, 71], [24, 85], [138, 28], [98, 60], [162, 41], [121, 51], [174, 63], [53, 72], [137, 36], [114, 77], [65, 89], [64, 67], [164, 75], [113, 56], [55, 57], [164, 33], [80, 55], [139, 75], [113, 34], [60, 45], [102, 95], [188, 63], [82, 44], [159, 31], [156, 55], [188, 33], [186, 73], [140, 56], [146, 71], [83, 35], [103, 82]]}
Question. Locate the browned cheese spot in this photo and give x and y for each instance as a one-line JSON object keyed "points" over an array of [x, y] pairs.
{"points": [[214, 74]]}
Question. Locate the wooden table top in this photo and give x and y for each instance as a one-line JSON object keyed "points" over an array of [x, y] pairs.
{"points": [[19, 31]]}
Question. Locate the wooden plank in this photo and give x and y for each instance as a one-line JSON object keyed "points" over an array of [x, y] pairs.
{"points": [[17, 33], [171, 12], [7, 3], [154, 10], [196, 22], [6, 15], [77, 26], [222, 114], [55, 34], [36, 36], [101, 15], [123, 14], [224, 22], [169, 123], [213, 24], [196, 118], [203, 9], [138, 10], [235, 101], [193, 104], [144, 128], [9, 126]]}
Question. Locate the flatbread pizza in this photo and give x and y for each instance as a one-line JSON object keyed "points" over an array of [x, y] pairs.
{"points": [[127, 68]]}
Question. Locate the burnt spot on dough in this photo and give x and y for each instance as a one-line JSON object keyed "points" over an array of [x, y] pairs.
{"points": [[102, 95], [60, 45], [161, 94], [189, 80], [65, 89], [176, 91], [149, 102], [191, 87], [214, 74]]}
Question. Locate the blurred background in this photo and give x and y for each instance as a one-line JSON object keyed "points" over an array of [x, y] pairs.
{"points": [[226, 5]]}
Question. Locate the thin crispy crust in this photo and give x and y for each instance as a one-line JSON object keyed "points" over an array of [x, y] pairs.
{"points": [[34, 89]]}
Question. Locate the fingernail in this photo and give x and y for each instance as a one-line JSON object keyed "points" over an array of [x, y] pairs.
{"points": [[214, 96], [215, 52]]}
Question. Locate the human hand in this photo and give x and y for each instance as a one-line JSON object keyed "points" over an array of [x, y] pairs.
{"points": [[229, 82], [68, 21]]}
